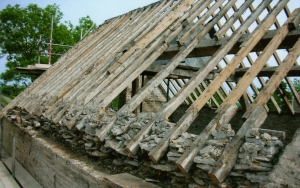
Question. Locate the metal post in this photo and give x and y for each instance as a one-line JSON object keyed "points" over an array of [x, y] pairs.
{"points": [[13, 170], [40, 49], [50, 47]]}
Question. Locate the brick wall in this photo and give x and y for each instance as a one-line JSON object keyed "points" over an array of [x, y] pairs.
{"points": [[49, 163]]}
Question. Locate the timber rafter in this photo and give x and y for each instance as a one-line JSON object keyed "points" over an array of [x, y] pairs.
{"points": [[79, 88]]}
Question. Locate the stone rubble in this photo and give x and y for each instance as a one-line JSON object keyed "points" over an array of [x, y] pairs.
{"points": [[256, 155], [79, 127], [178, 146], [214, 147], [126, 127]]}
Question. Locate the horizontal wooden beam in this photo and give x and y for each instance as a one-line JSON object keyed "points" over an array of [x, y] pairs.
{"points": [[187, 72], [209, 47]]}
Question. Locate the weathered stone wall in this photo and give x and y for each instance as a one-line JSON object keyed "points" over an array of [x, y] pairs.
{"points": [[286, 172], [49, 163]]}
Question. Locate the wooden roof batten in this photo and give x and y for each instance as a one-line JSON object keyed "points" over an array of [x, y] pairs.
{"points": [[101, 66]]}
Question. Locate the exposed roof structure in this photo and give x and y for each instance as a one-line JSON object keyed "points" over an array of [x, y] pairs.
{"points": [[243, 50]]}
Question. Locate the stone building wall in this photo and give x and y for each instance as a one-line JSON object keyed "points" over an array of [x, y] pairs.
{"points": [[49, 163]]}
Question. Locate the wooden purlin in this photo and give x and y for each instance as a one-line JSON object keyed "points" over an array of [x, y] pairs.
{"points": [[173, 104], [191, 113], [257, 66], [275, 79], [169, 67]]}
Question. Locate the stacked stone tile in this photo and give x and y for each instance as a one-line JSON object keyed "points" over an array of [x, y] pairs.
{"points": [[126, 127], [257, 155], [178, 146], [158, 131], [214, 147]]}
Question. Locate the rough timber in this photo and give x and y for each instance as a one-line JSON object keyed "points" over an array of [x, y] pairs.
{"points": [[78, 89]]}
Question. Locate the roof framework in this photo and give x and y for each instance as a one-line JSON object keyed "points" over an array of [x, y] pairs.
{"points": [[244, 52]]}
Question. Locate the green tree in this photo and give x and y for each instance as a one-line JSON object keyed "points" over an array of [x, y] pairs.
{"points": [[20, 32], [278, 97], [296, 83]]}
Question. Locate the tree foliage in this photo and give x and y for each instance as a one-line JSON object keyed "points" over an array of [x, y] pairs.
{"points": [[296, 83], [20, 32], [279, 97]]}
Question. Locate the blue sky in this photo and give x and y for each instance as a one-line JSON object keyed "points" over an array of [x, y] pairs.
{"points": [[98, 10]]}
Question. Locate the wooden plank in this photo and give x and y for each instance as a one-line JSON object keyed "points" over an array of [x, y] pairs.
{"points": [[226, 161], [257, 66], [187, 159], [276, 79], [210, 46], [268, 71]]}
